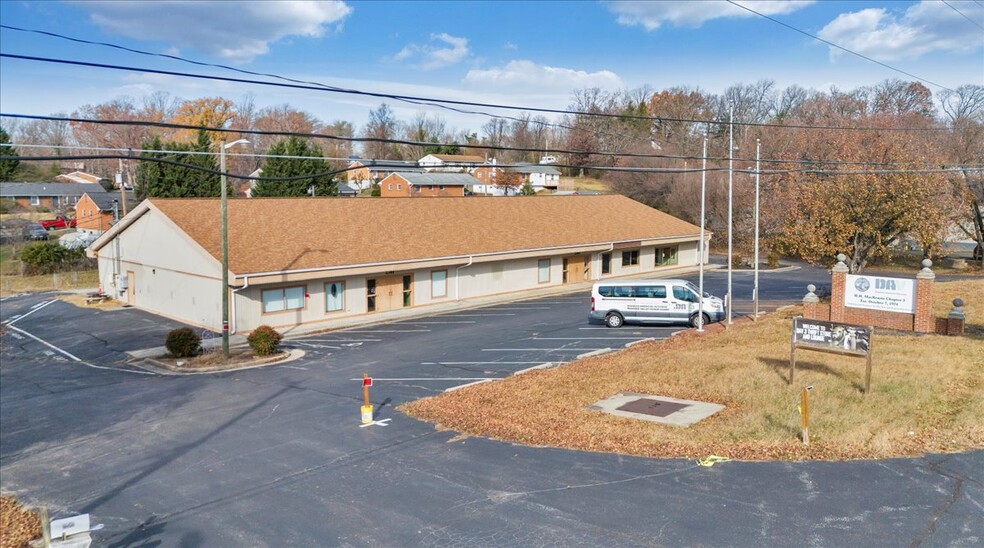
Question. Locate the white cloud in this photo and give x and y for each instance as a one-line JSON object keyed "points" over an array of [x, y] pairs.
{"points": [[522, 73], [236, 31], [652, 15], [429, 56], [924, 27]]}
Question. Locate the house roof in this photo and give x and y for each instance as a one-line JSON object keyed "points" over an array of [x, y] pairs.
{"points": [[534, 168], [435, 178], [104, 200], [384, 164], [79, 177], [470, 158], [289, 234], [51, 188]]}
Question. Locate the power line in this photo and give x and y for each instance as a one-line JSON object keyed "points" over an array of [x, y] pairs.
{"points": [[842, 48], [962, 14], [169, 125], [449, 101]]}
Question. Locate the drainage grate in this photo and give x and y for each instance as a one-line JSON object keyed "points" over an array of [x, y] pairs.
{"points": [[656, 408]]}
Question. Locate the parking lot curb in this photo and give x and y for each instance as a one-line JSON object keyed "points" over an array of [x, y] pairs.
{"points": [[647, 339], [160, 368], [453, 388], [547, 365], [593, 353]]}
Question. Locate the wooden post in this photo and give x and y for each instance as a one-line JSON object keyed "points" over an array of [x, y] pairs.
{"points": [[365, 389], [792, 355], [45, 526], [805, 414], [366, 409]]}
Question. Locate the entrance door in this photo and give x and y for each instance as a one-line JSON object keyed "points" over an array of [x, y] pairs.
{"points": [[131, 281], [577, 268], [391, 292]]}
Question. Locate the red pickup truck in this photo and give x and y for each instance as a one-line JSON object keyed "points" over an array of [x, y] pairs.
{"points": [[57, 223]]}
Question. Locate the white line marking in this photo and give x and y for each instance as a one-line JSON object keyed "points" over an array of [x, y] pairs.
{"points": [[34, 309], [485, 363], [42, 303], [580, 338], [376, 423], [540, 349], [522, 308], [75, 358], [374, 379], [337, 340], [389, 331], [452, 315], [428, 323]]}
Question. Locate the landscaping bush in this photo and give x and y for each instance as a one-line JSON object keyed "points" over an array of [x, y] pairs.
{"points": [[183, 342], [50, 257], [264, 340]]}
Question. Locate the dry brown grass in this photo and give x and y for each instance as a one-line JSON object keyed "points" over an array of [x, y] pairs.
{"points": [[926, 396], [587, 183], [17, 525], [79, 300], [11, 284]]}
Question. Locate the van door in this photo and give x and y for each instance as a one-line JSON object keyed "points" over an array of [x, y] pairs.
{"points": [[684, 303], [652, 303]]}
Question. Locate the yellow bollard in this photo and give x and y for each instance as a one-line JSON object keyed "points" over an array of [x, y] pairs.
{"points": [[366, 406]]}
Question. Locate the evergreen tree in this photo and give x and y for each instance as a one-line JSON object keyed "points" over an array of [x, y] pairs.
{"points": [[311, 163], [159, 180], [527, 189], [7, 167]]}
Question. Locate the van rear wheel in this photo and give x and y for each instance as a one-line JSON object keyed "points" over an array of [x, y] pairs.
{"points": [[614, 320], [694, 320]]}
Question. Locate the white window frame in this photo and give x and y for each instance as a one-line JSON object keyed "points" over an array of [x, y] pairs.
{"points": [[283, 299], [341, 297], [35, 200], [543, 271], [439, 286]]}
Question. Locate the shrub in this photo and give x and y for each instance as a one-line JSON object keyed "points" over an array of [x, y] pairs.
{"points": [[773, 260], [264, 340], [50, 257], [736, 260], [183, 342]]}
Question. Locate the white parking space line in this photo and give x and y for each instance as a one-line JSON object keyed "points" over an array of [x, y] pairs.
{"points": [[478, 363], [389, 331], [72, 356], [580, 338], [435, 323], [540, 349], [472, 315], [339, 340], [34, 309]]}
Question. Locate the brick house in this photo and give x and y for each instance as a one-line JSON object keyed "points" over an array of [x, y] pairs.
{"points": [[94, 212], [51, 195], [425, 185]]}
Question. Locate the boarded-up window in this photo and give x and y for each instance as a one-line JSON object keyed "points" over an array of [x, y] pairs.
{"points": [[439, 283], [334, 296], [543, 271]]}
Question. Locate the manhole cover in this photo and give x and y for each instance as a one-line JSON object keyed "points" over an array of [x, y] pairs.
{"points": [[656, 408]]}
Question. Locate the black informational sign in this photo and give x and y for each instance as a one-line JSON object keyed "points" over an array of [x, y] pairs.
{"points": [[832, 335]]}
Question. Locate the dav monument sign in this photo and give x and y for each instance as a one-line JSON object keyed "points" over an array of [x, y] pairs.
{"points": [[877, 293]]}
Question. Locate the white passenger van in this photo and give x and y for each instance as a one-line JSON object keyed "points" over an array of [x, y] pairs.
{"points": [[651, 301]]}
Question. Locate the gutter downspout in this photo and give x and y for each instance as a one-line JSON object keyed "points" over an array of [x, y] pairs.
{"points": [[234, 291], [457, 286]]}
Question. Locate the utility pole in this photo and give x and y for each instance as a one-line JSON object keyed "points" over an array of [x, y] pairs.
{"points": [[755, 291], [703, 243], [731, 188], [224, 199]]}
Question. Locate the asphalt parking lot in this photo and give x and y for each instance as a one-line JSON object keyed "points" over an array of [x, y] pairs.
{"points": [[275, 456]]}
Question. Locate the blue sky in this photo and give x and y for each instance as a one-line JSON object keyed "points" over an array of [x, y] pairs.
{"points": [[524, 53]]}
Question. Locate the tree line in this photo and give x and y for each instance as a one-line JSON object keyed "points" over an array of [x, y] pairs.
{"points": [[824, 190]]}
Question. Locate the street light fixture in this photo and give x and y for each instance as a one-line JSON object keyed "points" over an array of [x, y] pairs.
{"points": [[223, 146]]}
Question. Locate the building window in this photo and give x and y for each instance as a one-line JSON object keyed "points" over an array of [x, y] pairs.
{"points": [[407, 291], [439, 283], [35, 200], [334, 296], [390, 186], [430, 187], [666, 255], [442, 187], [371, 295], [606, 263], [543, 271], [280, 300], [630, 258], [399, 186]]}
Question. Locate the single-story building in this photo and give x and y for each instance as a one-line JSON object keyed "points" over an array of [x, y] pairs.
{"points": [[52, 195], [94, 212], [450, 162], [425, 185], [80, 177], [295, 261]]}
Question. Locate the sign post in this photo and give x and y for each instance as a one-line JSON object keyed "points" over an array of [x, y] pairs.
{"points": [[833, 338], [366, 406], [805, 414]]}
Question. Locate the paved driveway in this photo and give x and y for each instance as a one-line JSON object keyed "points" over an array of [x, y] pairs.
{"points": [[275, 456]]}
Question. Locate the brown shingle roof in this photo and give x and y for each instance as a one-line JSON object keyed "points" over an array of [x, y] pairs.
{"points": [[282, 234]]}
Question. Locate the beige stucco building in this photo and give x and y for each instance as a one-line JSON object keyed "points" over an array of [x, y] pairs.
{"points": [[306, 260]]}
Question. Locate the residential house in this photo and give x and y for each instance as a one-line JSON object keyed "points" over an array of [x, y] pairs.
{"points": [[94, 213], [363, 173], [165, 255], [51, 195], [347, 190], [425, 185], [541, 177], [450, 162]]}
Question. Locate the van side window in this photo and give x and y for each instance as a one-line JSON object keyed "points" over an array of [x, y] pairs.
{"points": [[652, 291], [683, 294], [606, 291], [623, 291]]}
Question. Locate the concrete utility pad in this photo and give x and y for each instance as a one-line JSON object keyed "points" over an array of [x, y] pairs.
{"points": [[659, 409]]}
